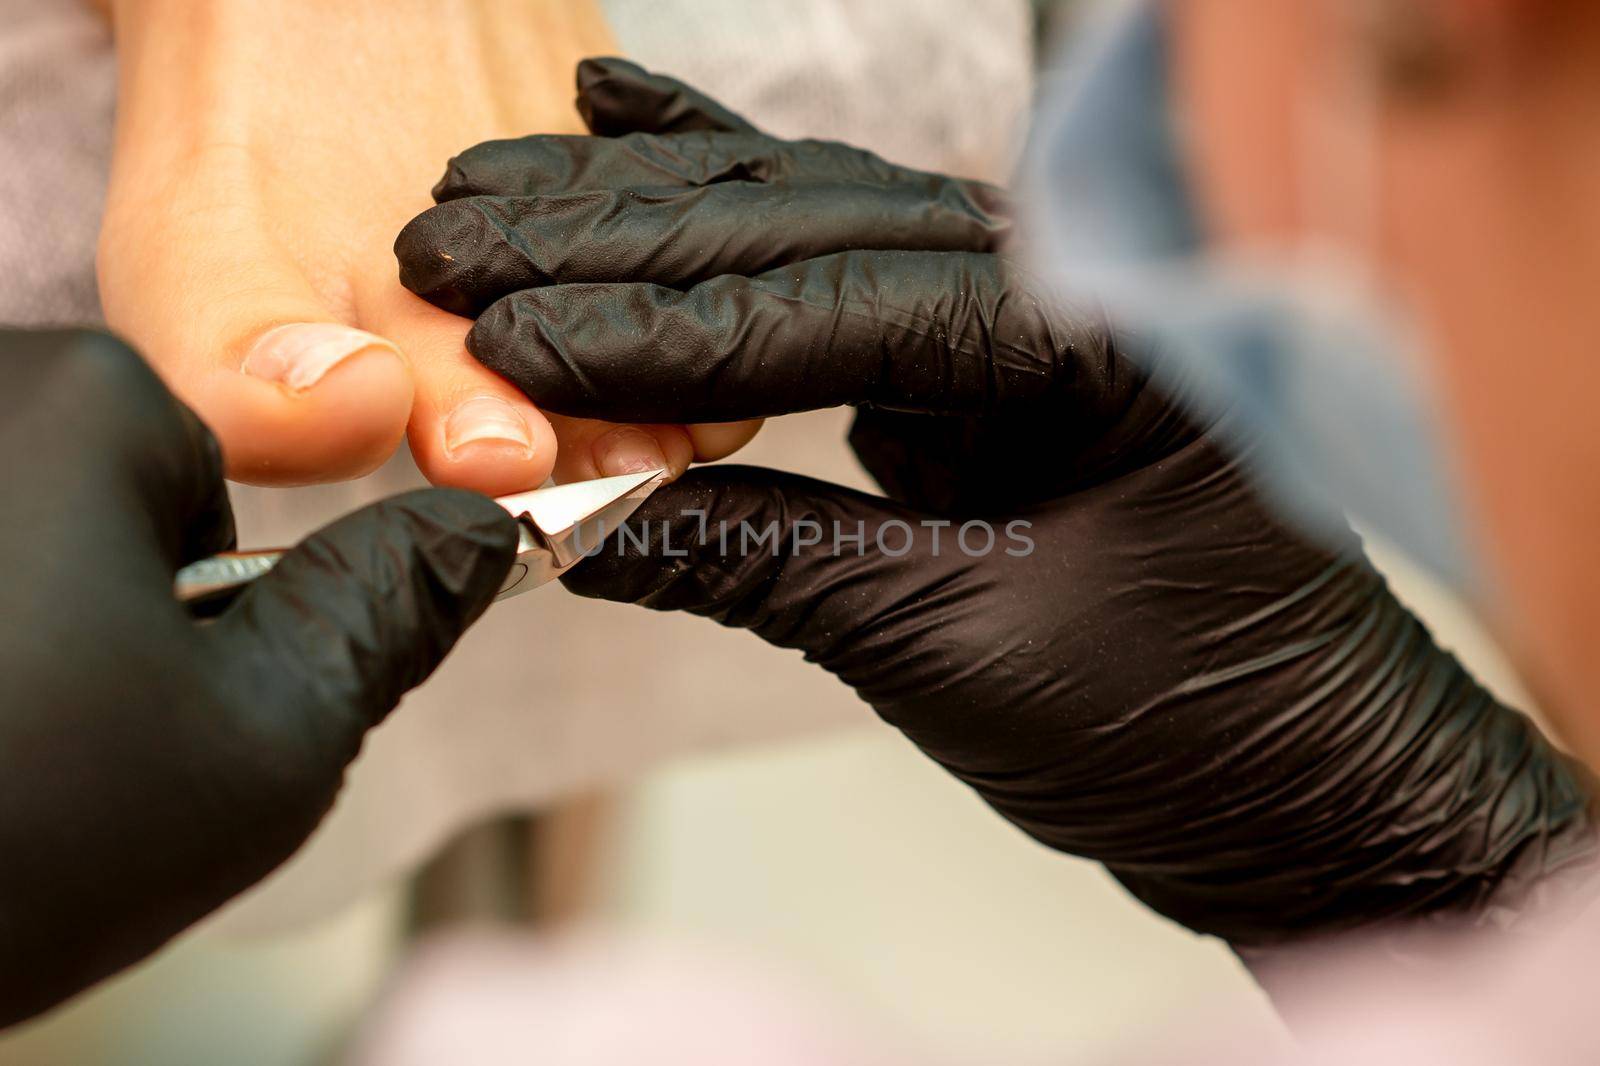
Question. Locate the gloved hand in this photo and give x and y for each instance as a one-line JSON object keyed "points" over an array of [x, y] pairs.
{"points": [[152, 767], [1127, 654]]}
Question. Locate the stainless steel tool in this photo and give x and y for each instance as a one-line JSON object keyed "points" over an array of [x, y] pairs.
{"points": [[559, 526]]}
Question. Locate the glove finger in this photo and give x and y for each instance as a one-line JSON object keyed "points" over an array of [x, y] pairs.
{"points": [[362, 611], [964, 465], [207, 515], [464, 254], [801, 563], [155, 466], [547, 164], [951, 332], [948, 464], [175, 462], [617, 97]]}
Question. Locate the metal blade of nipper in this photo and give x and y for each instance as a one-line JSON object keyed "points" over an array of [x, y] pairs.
{"points": [[557, 527]]}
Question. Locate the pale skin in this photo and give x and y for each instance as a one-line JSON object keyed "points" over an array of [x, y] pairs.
{"points": [[1481, 120], [267, 153]]}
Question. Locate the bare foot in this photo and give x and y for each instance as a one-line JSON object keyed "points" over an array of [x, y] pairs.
{"points": [[266, 156]]}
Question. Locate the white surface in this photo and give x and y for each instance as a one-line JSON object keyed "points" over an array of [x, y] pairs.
{"points": [[875, 875], [848, 867]]}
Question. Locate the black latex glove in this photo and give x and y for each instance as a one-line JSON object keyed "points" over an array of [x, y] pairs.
{"points": [[1246, 728], [152, 767]]}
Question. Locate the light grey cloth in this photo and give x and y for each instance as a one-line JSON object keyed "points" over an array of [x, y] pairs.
{"points": [[551, 694], [57, 90], [939, 84]]}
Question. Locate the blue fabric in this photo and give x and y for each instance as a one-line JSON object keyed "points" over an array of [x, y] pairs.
{"points": [[1318, 394]]}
